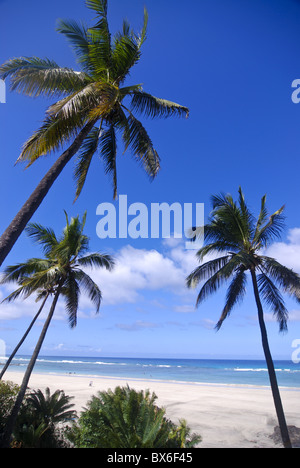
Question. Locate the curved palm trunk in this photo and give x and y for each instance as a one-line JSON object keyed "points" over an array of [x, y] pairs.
{"points": [[16, 227], [6, 437], [272, 375], [23, 338]]}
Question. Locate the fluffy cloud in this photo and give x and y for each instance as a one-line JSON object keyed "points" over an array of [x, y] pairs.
{"points": [[136, 271], [139, 270], [287, 253], [136, 326]]}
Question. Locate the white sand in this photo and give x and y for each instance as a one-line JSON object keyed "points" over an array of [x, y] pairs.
{"points": [[225, 416]]}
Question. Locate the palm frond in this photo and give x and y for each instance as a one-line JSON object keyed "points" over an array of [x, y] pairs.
{"points": [[73, 242], [71, 293], [106, 99], [272, 230], [218, 279], [214, 248], [126, 49], [126, 53], [51, 136], [230, 219], [218, 235], [78, 103], [136, 137], [76, 34], [99, 6], [287, 279], [100, 50], [97, 260], [272, 297], [34, 77], [246, 215], [87, 151], [108, 151], [235, 294], [100, 40], [16, 273], [261, 219], [90, 287], [153, 107], [19, 292], [42, 235], [206, 270]]}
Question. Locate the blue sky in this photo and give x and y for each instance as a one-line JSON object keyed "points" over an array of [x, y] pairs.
{"points": [[232, 63]]}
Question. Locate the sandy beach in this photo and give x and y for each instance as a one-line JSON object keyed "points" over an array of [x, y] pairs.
{"points": [[225, 416]]}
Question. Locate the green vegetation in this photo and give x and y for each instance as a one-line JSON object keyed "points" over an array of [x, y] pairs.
{"points": [[8, 394], [126, 418], [59, 273], [41, 420], [123, 418], [91, 109]]}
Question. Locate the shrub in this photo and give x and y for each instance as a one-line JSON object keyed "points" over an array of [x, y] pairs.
{"points": [[8, 394], [40, 421], [125, 418]]}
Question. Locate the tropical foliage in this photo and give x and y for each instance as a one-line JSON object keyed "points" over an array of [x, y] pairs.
{"points": [[59, 272], [8, 394], [95, 94], [94, 107], [42, 418], [126, 418], [237, 241]]}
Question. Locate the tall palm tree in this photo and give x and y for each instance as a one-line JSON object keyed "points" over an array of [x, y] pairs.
{"points": [[62, 270], [240, 239], [94, 106]]}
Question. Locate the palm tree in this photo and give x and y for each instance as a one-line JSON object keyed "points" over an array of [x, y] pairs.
{"points": [[239, 240], [40, 416], [62, 270], [94, 106], [53, 408]]}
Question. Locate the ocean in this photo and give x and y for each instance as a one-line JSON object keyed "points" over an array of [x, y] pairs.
{"points": [[228, 372]]}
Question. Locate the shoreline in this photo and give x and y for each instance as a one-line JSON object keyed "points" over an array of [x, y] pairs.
{"points": [[225, 415], [166, 381]]}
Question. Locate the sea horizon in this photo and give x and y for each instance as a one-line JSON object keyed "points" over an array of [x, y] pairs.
{"points": [[219, 371]]}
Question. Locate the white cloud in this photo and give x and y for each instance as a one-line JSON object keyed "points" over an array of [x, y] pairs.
{"points": [[139, 270], [294, 316], [287, 253], [136, 271], [185, 308], [138, 325]]}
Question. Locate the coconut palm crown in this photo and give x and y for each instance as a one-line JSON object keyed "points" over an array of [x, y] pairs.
{"points": [[233, 231], [61, 267], [95, 96]]}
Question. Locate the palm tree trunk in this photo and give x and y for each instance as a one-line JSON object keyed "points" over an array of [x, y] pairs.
{"points": [[23, 338], [16, 227], [6, 437], [272, 374]]}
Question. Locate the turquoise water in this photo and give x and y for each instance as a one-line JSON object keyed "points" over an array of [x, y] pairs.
{"points": [[241, 372]]}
